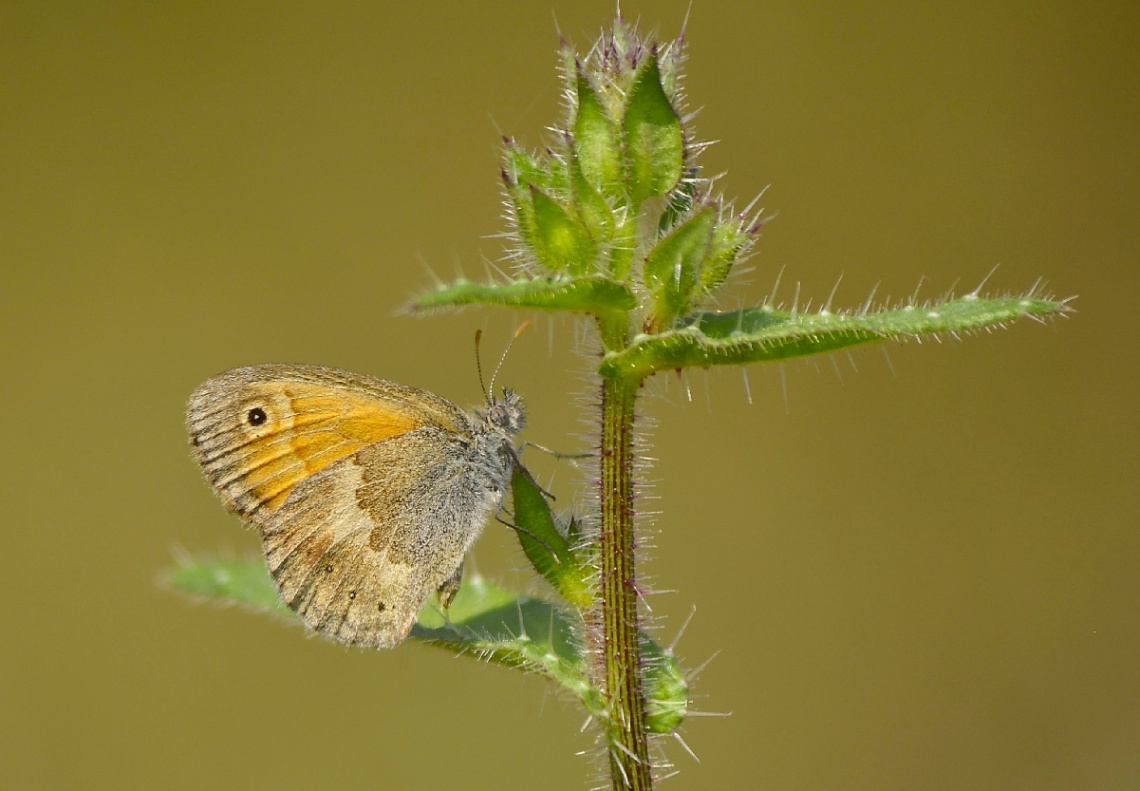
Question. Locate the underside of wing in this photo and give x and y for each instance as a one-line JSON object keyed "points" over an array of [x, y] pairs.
{"points": [[357, 548], [259, 432]]}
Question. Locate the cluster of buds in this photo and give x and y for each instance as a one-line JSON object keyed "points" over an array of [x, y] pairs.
{"points": [[618, 194]]}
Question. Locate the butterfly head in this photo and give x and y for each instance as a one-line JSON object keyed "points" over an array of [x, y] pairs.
{"points": [[506, 414]]}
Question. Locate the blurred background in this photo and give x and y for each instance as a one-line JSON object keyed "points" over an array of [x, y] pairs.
{"points": [[920, 569]]}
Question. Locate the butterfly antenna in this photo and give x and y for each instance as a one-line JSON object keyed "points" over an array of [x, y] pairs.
{"points": [[479, 364], [522, 328]]}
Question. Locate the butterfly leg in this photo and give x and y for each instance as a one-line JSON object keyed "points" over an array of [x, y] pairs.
{"points": [[520, 467], [556, 454], [524, 531], [450, 587]]}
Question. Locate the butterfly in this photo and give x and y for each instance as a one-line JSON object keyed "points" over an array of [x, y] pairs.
{"points": [[367, 494]]}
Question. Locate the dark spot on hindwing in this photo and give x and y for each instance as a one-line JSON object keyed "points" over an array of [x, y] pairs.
{"points": [[352, 594], [256, 416], [381, 606]]}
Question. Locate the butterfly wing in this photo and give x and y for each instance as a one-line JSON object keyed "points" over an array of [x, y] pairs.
{"points": [[359, 547], [360, 489], [261, 430]]}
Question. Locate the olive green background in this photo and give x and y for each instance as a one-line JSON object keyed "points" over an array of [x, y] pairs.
{"points": [[923, 574]]}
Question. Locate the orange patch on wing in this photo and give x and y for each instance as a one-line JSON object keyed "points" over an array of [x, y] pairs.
{"points": [[352, 416], [325, 428], [274, 494]]}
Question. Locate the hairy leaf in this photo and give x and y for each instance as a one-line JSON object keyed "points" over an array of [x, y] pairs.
{"points": [[597, 295], [484, 621], [654, 150], [673, 267], [551, 551], [765, 334], [595, 138], [561, 240]]}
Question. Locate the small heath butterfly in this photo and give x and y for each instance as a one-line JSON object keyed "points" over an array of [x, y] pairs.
{"points": [[367, 494]]}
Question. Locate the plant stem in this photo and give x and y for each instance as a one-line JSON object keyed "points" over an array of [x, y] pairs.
{"points": [[628, 740]]}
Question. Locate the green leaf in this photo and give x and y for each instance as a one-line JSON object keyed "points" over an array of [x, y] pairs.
{"points": [[654, 150], [523, 168], [665, 687], [521, 171], [596, 143], [592, 207], [673, 267], [623, 248], [561, 241], [514, 630], [484, 620], [238, 581], [765, 334], [552, 552], [596, 295], [728, 241], [680, 204]]}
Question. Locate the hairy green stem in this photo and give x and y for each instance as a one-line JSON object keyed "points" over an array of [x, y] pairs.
{"points": [[628, 743]]}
